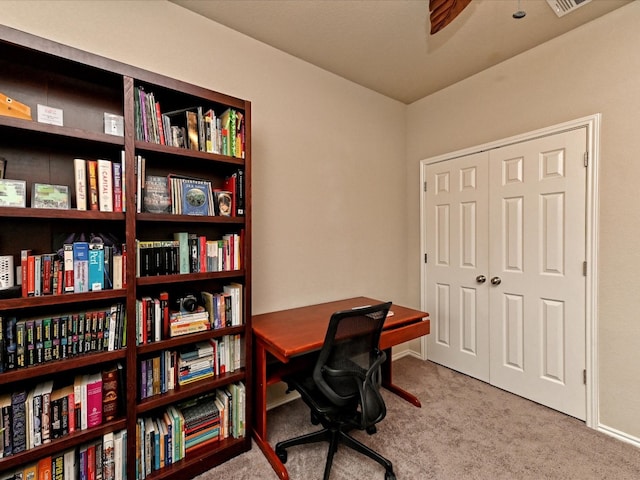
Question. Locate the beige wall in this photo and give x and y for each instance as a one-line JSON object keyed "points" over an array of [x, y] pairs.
{"points": [[593, 69], [329, 156]]}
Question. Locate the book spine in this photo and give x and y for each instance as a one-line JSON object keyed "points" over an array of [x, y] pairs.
{"points": [[80, 175], [105, 185], [96, 266], [117, 187], [81, 267], [92, 182]]}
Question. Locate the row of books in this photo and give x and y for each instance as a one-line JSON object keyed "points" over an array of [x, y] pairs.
{"points": [[100, 184], [188, 253], [156, 320], [34, 341], [171, 369], [165, 439], [103, 459], [78, 267], [35, 417], [192, 128], [179, 195]]}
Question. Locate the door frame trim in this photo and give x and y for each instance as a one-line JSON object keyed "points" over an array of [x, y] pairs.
{"points": [[592, 125]]}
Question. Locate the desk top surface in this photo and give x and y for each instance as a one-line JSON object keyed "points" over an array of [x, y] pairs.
{"points": [[299, 330]]}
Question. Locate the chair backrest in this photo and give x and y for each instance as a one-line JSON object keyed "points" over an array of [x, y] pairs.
{"points": [[348, 367]]}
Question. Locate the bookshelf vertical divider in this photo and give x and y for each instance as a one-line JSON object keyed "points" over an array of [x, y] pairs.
{"points": [[84, 87]]}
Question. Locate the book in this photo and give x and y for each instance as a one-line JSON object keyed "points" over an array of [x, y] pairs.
{"points": [[110, 378], [81, 267], [157, 197], [105, 185], [92, 184], [19, 421], [195, 197], [96, 266], [80, 183], [44, 468], [70, 466], [93, 388], [118, 177]]}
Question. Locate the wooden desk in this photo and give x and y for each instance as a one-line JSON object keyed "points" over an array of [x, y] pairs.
{"points": [[283, 339]]}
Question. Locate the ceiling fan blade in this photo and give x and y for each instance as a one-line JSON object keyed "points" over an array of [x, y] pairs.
{"points": [[444, 11]]}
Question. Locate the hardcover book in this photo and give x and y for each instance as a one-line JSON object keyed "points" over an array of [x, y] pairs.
{"points": [[195, 198], [92, 182], [81, 267], [96, 266], [157, 198], [105, 185], [80, 176]]}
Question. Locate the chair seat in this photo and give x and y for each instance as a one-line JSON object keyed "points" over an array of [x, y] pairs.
{"points": [[314, 398]]}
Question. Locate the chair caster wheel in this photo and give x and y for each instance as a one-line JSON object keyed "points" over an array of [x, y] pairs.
{"points": [[371, 430], [282, 454], [314, 419], [389, 476]]}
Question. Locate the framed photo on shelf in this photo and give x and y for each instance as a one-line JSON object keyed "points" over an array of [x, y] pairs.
{"points": [[3, 167], [13, 193], [50, 196]]}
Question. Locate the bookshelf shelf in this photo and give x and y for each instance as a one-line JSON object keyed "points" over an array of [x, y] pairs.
{"points": [[88, 89], [188, 391], [73, 439]]}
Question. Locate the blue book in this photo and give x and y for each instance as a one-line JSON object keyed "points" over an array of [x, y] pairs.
{"points": [[96, 266], [195, 197], [80, 267]]}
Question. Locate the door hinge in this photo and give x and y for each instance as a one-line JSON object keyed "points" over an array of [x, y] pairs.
{"points": [[586, 159], [424, 186], [425, 258], [584, 376], [584, 269]]}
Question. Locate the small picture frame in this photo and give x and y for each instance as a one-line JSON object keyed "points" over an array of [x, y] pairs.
{"points": [[13, 193], [45, 195]]}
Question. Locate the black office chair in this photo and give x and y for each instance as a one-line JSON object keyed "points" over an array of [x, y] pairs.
{"points": [[343, 390]]}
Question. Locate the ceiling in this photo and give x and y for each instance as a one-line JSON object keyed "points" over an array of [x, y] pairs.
{"points": [[385, 45]]}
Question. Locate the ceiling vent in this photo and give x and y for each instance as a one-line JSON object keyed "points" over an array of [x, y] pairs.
{"points": [[562, 7]]}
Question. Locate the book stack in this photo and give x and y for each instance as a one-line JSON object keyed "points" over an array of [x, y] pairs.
{"points": [[196, 362], [183, 323], [201, 422], [182, 428]]}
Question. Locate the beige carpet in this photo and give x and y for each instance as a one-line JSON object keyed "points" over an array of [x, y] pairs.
{"points": [[465, 429]]}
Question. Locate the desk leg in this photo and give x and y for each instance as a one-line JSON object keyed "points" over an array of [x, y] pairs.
{"points": [[387, 382], [260, 411]]}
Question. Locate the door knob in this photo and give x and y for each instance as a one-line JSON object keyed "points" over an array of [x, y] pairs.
{"points": [[496, 281], [481, 279]]}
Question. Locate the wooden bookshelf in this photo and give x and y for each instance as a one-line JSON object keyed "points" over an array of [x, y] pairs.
{"points": [[85, 86]]}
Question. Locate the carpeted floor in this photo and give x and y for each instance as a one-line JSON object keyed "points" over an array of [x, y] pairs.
{"points": [[465, 429]]}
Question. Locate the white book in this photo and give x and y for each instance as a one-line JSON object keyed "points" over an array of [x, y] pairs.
{"points": [[117, 455], [70, 471], [105, 185], [124, 182], [108, 456], [80, 175], [117, 271]]}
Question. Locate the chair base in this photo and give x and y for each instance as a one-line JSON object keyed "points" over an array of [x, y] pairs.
{"points": [[334, 436]]}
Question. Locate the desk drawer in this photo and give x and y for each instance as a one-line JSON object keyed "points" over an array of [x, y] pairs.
{"points": [[391, 338]]}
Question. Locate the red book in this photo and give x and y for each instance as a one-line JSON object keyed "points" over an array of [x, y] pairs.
{"points": [[202, 242], [46, 274], [31, 277], [91, 462], [230, 186], [94, 400], [44, 469], [164, 309]]}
